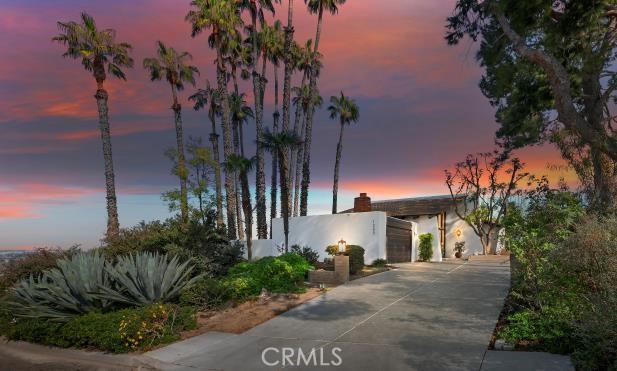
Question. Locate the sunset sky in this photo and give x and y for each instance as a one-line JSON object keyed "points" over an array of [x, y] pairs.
{"points": [[420, 112]]}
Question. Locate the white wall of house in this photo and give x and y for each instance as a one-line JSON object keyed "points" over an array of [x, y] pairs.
{"points": [[318, 231], [427, 224]]}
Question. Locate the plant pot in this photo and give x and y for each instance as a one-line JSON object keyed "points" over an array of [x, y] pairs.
{"points": [[458, 254]]}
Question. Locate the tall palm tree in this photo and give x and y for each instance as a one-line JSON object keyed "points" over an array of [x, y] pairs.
{"points": [[240, 114], [256, 10], [242, 166], [222, 17], [347, 112], [318, 7], [174, 67], [301, 101], [209, 96], [272, 40], [279, 145], [98, 52]]}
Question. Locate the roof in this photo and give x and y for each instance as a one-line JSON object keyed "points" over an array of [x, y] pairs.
{"points": [[415, 206]]}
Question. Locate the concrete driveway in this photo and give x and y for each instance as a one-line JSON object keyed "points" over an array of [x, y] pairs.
{"points": [[418, 317]]}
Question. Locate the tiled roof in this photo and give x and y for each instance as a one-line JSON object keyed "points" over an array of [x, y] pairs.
{"points": [[415, 206]]}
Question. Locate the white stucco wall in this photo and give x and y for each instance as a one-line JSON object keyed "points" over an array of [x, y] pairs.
{"points": [[261, 248], [427, 224], [318, 231]]}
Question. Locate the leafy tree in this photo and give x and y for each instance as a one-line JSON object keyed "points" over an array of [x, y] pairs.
{"points": [[242, 166], [549, 70], [315, 7], [209, 96], [174, 67], [100, 54], [481, 188], [347, 112], [222, 17], [279, 145]]}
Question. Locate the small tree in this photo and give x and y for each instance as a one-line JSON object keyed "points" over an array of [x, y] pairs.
{"points": [[426, 246], [481, 187]]}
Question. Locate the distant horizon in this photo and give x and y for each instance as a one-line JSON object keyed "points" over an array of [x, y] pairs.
{"points": [[421, 111]]}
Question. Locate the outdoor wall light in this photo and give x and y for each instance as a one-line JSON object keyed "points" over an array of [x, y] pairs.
{"points": [[458, 232], [342, 246]]}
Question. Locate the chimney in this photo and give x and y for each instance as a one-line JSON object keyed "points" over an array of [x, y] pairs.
{"points": [[362, 204]]}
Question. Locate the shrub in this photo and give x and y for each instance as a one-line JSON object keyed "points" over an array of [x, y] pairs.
{"points": [[459, 247], [379, 262], [332, 250], [32, 264], [284, 273], [120, 331], [356, 258], [426, 247], [307, 253], [145, 278], [65, 291], [207, 293]]}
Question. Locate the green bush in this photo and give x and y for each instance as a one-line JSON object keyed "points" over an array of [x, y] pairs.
{"points": [[284, 273], [356, 258], [332, 250], [120, 331], [32, 264], [207, 293], [426, 247], [379, 262], [307, 253]]}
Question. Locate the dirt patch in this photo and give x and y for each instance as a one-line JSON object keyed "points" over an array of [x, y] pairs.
{"points": [[242, 317], [368, 271]]}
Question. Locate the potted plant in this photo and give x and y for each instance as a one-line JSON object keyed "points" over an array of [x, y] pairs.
{"points": [[459, 249]]}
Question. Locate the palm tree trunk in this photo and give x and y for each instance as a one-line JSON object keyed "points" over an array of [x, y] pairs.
{"points": [[294, 151], [275, 125], [238, 207], [289, 32], [113, 226], [283, 154], [214, 139], [230, 192], [182, 172], [306, 171], [299, 157], [337, 163], [260, 175], [246, 205]]}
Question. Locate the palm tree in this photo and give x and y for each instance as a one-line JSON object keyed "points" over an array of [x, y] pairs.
{"points": [[174, 67], [279, 145], [314, 6], [346, 110], [222, 17], [256, 10], [242, 166], [98, 51], [301, 101], [209, 96]]}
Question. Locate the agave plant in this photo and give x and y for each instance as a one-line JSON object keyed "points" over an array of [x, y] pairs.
{"points": [[60, 293], [145, 278]]}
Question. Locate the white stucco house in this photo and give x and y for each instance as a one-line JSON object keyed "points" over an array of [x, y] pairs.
{"points": [[387, 229]]}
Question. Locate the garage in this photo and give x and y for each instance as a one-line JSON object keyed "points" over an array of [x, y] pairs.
{"points": [[399, 237]]}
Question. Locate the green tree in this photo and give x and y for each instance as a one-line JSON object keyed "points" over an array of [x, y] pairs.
{"points": [[346, 111], [549, 70], [279, 145], [173, 66], [209, 96], [242, 166], [315, 7], [222, 17], [100, 54], [256, 10]]}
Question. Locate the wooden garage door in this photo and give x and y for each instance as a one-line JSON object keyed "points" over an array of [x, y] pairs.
{"points": [[399, 237]]}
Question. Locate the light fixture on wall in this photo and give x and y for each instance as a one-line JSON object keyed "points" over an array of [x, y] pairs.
{"points": [[342, 246], [458, 233]]}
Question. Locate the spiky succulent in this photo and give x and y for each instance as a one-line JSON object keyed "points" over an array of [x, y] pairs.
{"points": [[145, 278], [63, 292]]}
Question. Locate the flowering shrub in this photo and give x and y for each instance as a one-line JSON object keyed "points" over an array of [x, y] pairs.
{"points": [[138, 332]]}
